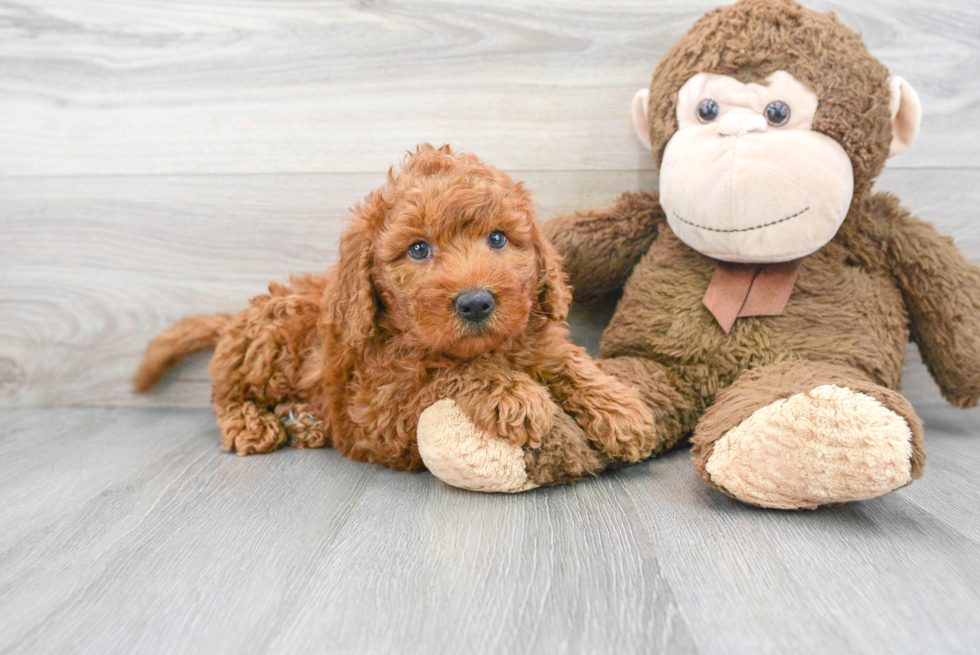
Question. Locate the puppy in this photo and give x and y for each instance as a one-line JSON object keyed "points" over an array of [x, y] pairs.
{"points": [[444, 289]]}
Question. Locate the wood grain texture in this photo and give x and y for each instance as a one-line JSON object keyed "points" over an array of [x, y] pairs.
{"points": [[92, 268], [188, 550], [162, 544], [161, 87], [863, 578]]}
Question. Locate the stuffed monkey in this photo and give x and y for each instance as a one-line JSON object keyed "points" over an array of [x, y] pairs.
{"points": [[767, 292]]}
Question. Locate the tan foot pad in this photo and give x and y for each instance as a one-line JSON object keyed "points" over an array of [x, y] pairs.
{"points": [[830, 445], [458, 453]]}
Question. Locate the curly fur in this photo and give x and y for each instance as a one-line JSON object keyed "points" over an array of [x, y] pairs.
{"points": [[351, 358]]}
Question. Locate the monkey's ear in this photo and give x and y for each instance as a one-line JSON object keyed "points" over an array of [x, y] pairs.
{"points": [[906, 114], [640, 121]]}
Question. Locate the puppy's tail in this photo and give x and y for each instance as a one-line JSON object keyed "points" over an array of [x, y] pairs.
{"points": [[186, 337]]}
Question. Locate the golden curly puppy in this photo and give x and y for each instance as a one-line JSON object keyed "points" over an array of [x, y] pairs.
{"points": [[446, 298]]}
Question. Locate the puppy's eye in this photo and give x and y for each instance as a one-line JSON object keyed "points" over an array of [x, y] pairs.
{"points": [[496, 240], [777, 113], [419, 250], [707, 110]]}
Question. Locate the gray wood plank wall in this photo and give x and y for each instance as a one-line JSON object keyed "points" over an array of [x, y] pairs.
{"points": [[159, 159]]}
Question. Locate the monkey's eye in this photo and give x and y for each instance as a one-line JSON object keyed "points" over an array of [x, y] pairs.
{"points": [[777, 113], [707, 110], [496, 240], [419, 250]]}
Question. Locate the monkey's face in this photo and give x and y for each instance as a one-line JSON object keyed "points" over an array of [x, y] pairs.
{"points": [[745, 178]]}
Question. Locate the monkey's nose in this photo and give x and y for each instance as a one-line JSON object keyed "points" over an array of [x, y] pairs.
{"points": [[739, 124], [474, 305]]}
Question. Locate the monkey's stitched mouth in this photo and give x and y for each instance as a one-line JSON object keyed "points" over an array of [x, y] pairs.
{"points": [[741, 229]]}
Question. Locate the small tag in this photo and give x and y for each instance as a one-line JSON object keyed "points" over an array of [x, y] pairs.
{"points": [[771, 289], [728, 290], [738, 290]]}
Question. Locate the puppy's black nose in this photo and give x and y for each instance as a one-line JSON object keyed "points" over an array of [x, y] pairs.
{"points": [[474, 305]]}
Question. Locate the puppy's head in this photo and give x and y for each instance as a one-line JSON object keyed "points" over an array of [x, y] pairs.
{"points": [[449, 254]]}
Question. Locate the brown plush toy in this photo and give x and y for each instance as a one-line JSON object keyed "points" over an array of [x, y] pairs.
{"points": [[767, 293]]}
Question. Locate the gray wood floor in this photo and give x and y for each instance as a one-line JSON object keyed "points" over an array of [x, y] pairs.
{"points": [[163, 158], [126, 530]]}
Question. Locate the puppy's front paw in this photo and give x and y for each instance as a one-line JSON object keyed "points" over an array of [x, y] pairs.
{"points": [[460, 454], [521, 412], [617, 422]]}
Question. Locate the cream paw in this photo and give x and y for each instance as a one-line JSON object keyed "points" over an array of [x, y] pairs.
{"points": [[460, 454], [829, 445]]}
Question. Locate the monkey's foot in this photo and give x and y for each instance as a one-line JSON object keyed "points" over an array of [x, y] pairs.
{"points": [[826, 446], [460, 454]]}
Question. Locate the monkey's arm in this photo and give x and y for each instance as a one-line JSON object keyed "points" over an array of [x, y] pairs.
{"points": [[600, 248], [942, 294]]}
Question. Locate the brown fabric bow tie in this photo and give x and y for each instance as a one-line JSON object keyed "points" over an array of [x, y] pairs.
{"points": [[738, 290]]}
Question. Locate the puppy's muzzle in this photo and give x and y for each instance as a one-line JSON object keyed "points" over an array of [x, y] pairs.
{"points": [[474, 305]]}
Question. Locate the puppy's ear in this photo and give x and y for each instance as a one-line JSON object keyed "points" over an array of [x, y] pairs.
{"points": [[352, 302], [554, 294]]}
